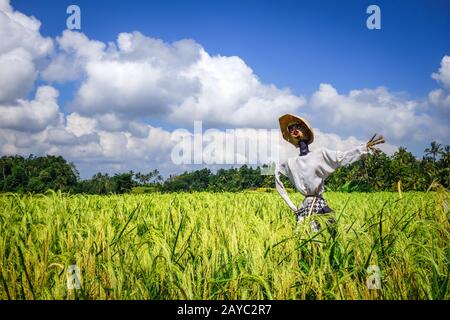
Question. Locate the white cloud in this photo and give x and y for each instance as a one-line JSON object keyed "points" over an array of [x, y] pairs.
{"points": [[364, 112], [75, 50], [79, 125], [20, 46], [60, 137], [443, 75], [17, 75], [20, 31], [34, 115], [140, 77], [231, 94], [91, 147], [440, 98], [132, 88], [111, 122]]}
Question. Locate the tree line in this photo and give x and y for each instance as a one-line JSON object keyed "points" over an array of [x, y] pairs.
{"points": [[374, 173]]}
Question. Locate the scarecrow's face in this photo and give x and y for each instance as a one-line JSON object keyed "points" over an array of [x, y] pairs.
{"points": [[297, 131]]}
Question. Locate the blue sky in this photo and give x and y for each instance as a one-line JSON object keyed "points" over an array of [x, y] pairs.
{"points": [[314, 58]]}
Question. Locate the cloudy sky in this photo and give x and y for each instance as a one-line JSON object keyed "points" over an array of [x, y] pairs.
{"points": [[109, 96]]}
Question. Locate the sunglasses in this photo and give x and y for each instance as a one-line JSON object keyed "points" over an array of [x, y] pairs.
{"points": [[294, 127]]}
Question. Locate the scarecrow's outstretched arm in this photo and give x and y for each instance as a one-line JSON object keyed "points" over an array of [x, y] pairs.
{"points": [[336, 159], [281, 189]]}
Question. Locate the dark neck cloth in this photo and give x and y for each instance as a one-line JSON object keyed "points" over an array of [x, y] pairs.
{"points": [[303, 148]]}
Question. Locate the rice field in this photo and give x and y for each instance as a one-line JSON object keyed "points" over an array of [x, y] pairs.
{"points": [[222, 246]]}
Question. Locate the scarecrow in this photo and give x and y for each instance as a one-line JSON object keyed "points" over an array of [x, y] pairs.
{"points": [[308, 171]]}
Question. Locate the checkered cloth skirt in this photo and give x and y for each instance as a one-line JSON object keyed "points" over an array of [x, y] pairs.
{"points": [[319, 206]]}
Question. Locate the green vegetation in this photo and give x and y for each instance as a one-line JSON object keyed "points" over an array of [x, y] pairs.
{"points": [[375, 173], [222, 246], [36, 174]]}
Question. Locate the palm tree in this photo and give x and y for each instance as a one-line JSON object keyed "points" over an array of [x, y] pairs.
{"points": [[434, 150], [403, 156], [445, 154]]}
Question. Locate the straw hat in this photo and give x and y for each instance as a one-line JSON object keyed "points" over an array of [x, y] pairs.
{"points": [[290, 119]]}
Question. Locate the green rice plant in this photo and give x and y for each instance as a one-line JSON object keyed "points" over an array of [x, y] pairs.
{"points": [[223, 246]]}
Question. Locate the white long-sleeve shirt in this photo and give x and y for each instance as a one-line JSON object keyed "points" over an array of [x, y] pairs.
{"points": [[308, 173]]}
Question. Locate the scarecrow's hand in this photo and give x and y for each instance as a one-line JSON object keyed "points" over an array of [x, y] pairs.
{"points": [[373, 142]]}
